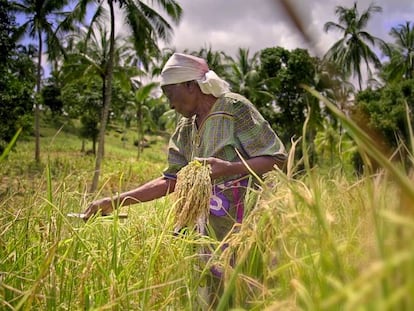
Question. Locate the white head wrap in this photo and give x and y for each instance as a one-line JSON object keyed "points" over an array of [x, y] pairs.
{"points": [[182, 67]]}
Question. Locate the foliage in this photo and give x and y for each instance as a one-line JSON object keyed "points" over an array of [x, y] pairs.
{"points": [[317, 240], [147, 27], [386, 110], [83, 99], [44, 21], [314, 242], [332, 82], [16, 106], [80, 96], [353, 48], [401, 53], [243, 76], [16, 82], [51, 98], [216, 60], [283, 71], [89, 129], [334, 149], [85, 83], [320, 242], [7, 29], [143, 106]]}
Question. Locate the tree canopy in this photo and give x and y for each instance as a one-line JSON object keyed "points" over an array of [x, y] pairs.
{"points": [[17, 72], [98, 77]]}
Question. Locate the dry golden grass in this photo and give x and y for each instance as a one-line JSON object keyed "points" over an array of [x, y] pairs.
{"points": [[193, 192]]}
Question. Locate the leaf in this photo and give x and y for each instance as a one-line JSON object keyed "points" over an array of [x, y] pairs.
{"points": [[10, 145]]}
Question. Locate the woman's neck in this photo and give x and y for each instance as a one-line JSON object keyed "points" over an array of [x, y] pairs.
{"points": [[205, 104]]}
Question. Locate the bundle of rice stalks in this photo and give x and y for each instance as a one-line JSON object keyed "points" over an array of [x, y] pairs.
{"points": [[193, 192]]}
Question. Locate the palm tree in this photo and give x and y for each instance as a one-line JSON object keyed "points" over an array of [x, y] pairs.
{"points": [[147, 27], [89, 53], [334, 85], [243, 74], [158, 61], [216, 60], [88, 57], [353, 48], [401, 53], [141, 104], [45, 22], [40, 16]]}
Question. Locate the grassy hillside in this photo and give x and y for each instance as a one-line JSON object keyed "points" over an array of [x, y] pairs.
{"points": [[316, 241]]}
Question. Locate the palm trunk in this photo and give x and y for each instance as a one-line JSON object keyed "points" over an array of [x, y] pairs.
{"points": [[37, 108], [360, 82], [140, 131], [107, 101], [104, 95]]}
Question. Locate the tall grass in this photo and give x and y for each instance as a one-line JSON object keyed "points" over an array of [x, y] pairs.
{"points": [[324, 242], [315, 241], [361, 257], [52, 262]]}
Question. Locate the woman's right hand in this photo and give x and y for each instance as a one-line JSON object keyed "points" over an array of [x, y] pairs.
{"points": [[104, 206]]}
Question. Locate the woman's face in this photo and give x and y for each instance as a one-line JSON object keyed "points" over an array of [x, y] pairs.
{"points": [[180, 98]]}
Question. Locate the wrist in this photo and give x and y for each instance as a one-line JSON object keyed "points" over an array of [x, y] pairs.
{"points": [[236, 168]]}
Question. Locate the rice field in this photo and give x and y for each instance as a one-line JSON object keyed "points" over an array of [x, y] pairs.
{"points": [[317, 240]]}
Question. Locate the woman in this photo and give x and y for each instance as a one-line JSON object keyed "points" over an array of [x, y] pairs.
{"points": [[217, 126]]}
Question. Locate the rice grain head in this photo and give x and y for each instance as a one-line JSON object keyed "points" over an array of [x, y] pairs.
{"points": [[193, 192]]}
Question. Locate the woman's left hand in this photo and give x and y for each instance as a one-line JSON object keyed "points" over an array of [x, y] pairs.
{"points": [[219, 167]]}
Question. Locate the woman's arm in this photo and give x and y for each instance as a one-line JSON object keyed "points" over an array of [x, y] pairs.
{"points": [[154, 189], [259, 165]]}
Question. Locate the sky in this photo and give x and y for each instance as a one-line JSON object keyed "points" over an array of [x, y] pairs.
{"points": [[227, 25]]}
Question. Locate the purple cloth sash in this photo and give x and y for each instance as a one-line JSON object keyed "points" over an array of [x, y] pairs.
{"points": [[220, 204]]}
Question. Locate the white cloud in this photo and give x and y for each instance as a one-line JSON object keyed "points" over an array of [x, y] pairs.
{"points": [[227, 25]]}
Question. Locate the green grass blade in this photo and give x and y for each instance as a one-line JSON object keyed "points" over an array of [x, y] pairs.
{"points": [[10, 145]]}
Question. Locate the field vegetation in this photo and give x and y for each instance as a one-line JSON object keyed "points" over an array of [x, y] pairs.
{"points": [[317, 240], [331, 231]]}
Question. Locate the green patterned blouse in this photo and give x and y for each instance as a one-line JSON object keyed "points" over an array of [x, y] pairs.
{"points": [[233, 123]]}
